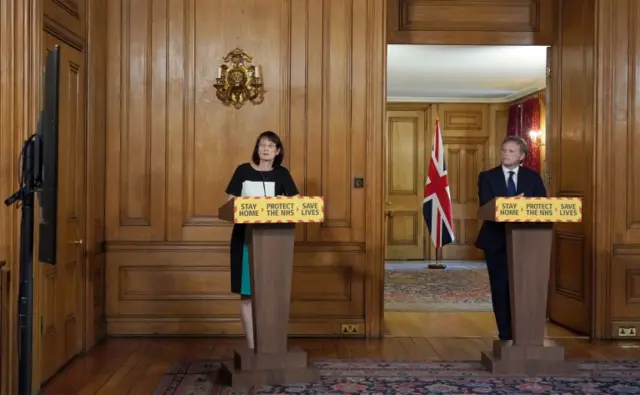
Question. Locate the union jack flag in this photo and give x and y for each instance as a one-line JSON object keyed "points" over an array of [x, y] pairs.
{"points": [[436, 206]]}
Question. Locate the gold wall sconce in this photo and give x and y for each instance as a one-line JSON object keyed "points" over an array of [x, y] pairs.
{"points": [[238, 80]]}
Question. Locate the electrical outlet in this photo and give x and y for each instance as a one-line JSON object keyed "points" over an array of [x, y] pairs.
{"points": [[350, 328], [627, 331]]}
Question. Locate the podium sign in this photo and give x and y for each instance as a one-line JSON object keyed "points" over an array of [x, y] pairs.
{"points": [[278, 210], [521, 209]]}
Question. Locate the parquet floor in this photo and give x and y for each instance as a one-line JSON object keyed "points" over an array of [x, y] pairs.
{"points": [[134, 366]]}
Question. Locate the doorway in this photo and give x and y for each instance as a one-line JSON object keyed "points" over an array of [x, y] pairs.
{"points": [[61, 287], [478, 95]]}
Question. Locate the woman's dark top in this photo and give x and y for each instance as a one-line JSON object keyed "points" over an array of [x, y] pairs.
{"points": [[247, 181]]}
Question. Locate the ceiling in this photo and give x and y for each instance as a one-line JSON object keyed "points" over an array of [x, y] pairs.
{"points": [[464, 73]]}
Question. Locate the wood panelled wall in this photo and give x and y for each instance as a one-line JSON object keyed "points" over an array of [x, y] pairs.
{"points": [[617, 183], [172, 147], [20, 30], [12, 115], [462, 22]]}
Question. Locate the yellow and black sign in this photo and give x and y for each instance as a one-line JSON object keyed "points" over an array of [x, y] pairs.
{"points": [[279, 209], [521, 209]]}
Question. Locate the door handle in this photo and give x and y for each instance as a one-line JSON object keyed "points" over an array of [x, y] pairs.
{"points": [[78, 241], [388, 213]]}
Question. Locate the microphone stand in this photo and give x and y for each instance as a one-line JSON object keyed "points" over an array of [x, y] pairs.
{"points": [[25, 295]]}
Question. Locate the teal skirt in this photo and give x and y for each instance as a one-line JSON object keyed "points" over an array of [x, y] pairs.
{"points": [[245, 287]]}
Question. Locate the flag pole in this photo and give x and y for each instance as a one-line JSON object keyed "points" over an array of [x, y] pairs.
{"points": [[437, 264]]}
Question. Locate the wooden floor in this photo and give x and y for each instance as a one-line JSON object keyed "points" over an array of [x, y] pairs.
{"points": [[414, 324], [135, 366]]}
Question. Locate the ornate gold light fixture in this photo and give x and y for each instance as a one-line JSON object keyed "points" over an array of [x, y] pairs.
{"points": [[238, 80]]}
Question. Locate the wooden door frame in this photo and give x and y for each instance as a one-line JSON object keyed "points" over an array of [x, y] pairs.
{"points": [[94, 330], [600, 327], [549, 35], [376, 118]]}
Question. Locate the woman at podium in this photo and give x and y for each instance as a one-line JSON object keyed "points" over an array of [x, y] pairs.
{"points": [[263, 176]]}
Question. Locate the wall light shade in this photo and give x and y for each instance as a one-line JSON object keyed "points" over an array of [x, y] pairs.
{"points": [[534, 134]]}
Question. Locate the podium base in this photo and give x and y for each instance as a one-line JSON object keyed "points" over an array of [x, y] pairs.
{"points": [[513, 360], [252, 369]]}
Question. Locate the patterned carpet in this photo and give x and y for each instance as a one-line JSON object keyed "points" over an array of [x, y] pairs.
{"points": [[414, 287], [377, 377]]}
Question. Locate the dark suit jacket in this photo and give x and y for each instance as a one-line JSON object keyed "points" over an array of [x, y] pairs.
{"points": [[492, 184]]}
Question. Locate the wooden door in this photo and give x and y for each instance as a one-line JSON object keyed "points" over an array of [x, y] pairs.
{"points": [[61, 286], [569, 303], [466, 136], [465, 160], [405, 178]]}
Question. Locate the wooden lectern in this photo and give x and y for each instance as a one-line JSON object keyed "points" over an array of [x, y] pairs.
{"points": [[271, 362], [529, 257]]}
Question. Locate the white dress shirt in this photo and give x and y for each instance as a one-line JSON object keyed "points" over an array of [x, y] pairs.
{"points": [[515, 175], [256, 188]]}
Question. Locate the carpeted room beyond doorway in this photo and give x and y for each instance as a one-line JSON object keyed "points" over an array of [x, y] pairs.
{"points": [[412, 287]]}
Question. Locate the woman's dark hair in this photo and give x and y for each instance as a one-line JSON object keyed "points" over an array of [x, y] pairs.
{"points": [[271, 136]]}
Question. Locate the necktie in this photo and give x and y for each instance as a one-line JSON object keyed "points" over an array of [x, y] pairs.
{"points": [[511, 185]]}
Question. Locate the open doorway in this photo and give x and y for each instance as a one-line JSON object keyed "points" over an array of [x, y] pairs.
{"points": [[479, 95]]}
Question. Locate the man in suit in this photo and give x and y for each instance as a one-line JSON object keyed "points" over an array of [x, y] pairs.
{"points": [[508, 179]]}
